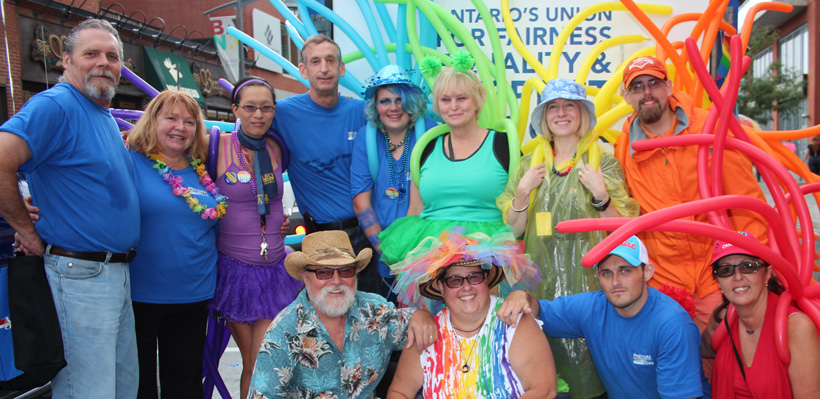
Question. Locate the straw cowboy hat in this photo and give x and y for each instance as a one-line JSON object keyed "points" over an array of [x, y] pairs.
{"points": [[326, 248]]}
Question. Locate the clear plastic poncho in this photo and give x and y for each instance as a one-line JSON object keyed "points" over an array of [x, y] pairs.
{"points": [[558, 255]]}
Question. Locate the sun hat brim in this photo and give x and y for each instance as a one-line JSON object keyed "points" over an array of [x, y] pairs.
{"points": [[389, 75], [566, 89]]}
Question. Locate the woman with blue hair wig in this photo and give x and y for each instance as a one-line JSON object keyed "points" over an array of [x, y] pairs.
{"points": [[379, 171], [565, 187]]}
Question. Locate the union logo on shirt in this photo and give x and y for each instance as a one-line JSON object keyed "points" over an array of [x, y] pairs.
{"points": [[642, 360]]}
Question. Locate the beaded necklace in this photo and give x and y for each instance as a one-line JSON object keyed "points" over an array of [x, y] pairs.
{"points": [[397, 191], [392, 147], [185, 192], [569, 168]]}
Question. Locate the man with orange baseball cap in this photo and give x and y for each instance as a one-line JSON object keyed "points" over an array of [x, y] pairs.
{"points": [[664, 177]]}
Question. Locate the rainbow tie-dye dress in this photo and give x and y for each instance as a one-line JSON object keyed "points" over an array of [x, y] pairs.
{"points": [[490, 374]]}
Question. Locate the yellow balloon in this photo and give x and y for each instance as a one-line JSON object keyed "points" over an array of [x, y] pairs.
{"points": [[584, 14], [599, 48]]}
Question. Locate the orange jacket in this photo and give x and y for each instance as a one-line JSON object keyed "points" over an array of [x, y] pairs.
{"points": [[662, 178]]}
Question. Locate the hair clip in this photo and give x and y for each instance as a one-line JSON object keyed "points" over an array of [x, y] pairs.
{"points": [[462, 61], [430, 66]]}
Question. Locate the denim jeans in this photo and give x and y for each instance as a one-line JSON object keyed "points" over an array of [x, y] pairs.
{"points": [[93, 301]]}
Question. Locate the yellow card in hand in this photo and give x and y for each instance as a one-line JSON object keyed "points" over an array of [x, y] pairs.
{"points": [[543, 224]]}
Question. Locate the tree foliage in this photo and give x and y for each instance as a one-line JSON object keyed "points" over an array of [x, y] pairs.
{"points": [[776, 89]]}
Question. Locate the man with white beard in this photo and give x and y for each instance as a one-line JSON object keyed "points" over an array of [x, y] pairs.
{"points": [[333, 341]]}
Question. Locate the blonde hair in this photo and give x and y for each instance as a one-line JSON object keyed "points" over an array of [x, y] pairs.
{"points": [[143, 136], [583, 127], [450, 80]]}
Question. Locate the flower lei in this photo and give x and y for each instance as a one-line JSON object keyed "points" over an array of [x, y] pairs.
{"points": [[179, 190]]}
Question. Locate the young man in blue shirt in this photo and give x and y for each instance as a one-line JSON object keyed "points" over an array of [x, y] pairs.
{"points": [[643, 343]]}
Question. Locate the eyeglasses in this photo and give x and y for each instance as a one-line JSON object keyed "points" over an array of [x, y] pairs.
{"points": [[249, 108], [474, 278], [326, 273], [385, 102], [640, 87], [747, 267]]}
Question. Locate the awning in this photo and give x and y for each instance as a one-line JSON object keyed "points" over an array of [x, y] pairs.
{"points": [[165, 70]]}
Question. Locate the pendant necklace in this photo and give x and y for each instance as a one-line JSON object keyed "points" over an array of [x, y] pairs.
{"points": [[466, 367], [397, 179], [242, 154]]}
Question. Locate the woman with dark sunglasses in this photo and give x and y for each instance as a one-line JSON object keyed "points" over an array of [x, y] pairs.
{"points": [[476, 355], [746, 361]]}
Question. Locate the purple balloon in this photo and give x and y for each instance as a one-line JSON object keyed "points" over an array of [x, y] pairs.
{"points": [[226, 85], [126, 113], [123, 124], [137, 81]]}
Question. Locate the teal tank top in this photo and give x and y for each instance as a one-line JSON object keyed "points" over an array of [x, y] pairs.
{"points": [[463, 190]]}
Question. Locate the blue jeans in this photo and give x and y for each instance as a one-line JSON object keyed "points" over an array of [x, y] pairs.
{"points": [[93, 301]]}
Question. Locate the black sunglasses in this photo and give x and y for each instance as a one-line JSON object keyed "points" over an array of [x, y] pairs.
{"points": [[326, 273], [474, 278], [746, 267]]}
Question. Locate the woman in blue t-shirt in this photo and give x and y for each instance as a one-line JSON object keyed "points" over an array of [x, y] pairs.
{"points": [[174, 273], [380, 170]]}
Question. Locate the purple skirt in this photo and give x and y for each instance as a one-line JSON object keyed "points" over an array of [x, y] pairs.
{"points": [[246, 293]]}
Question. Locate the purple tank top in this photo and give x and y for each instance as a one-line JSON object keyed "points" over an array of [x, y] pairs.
{"points": [[239, 231]]}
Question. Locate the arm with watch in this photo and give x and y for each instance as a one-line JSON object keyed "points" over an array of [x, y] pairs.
{"points": [[609, 195]]}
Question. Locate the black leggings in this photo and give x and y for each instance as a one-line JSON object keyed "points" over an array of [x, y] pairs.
{"points": [[179, 329]]}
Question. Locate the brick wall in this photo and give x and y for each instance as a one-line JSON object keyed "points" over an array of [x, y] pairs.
{"points": [[11, 35]]}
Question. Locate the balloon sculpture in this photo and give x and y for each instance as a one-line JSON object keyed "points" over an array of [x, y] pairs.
{"points": [[791, 250]]}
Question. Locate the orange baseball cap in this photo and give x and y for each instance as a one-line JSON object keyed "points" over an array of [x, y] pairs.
{"points": [[644, 66]]}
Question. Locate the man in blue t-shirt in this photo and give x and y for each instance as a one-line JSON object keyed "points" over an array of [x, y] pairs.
{"points": [[643, 343], [67, 145], [319, 128]]}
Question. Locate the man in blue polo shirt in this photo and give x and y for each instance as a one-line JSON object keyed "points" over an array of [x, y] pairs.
{"points": [[318, 128], [67, 145], [643, 343]]}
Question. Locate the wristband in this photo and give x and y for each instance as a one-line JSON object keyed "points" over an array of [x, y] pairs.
{"points": [[601, 206]]}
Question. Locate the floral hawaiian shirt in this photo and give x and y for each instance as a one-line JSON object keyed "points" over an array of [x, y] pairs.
{"points": [[298, 359]]}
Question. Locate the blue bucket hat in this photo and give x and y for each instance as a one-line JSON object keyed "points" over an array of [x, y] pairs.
{"points": [[561, 88], [389, 75]]}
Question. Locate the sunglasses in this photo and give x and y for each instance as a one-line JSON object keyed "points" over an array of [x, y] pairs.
{"points": [[326, 273], [249, 108], [747, 267], [474, 278], [651, 84]]}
